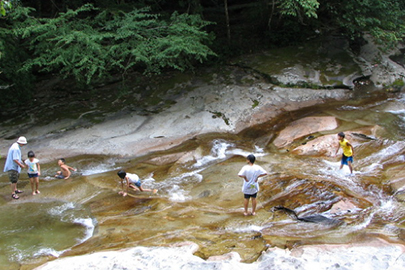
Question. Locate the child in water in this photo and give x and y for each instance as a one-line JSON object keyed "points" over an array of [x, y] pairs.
{"points": [[64, 173], [34, 171], [348, 152], [131, 181]]}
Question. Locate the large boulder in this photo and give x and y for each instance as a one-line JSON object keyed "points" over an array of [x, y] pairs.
{"points": [[326, 145], [304, 127]]}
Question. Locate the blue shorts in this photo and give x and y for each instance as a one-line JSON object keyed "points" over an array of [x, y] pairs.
{"points": [[32, 175], [346, 159], [248, 196], [137, 183]]}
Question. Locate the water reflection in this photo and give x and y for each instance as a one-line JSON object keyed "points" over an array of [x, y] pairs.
{"points": [[200, 197]]}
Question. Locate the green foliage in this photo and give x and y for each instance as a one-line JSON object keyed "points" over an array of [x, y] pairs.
{"points": [[298, 8], [88, 44], [382, 19], [5, 6]]}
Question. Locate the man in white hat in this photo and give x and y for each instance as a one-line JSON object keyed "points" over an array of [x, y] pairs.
{"points": [[14, 164]]}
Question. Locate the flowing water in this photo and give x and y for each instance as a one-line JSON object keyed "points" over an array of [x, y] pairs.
{"points": [[200, 197]]}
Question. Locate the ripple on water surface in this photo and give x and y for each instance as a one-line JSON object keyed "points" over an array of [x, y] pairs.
{"points": [[33, 229]]}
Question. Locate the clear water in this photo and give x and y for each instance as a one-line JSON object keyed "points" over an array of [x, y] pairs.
{"points": [[200, 197]]}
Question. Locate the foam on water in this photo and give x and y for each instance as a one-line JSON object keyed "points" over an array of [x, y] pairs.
{"points": [[221, 150], [48, 251], [246, 229], [89, 225], [177, 194], [58, 210]]}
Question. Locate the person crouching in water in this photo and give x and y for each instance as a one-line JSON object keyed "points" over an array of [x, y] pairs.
{"points": [[348, 152], [131, 181], [251, 174]]}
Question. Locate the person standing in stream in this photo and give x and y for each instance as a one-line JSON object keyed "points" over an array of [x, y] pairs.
{"points": [[14, 164], [251, 174], [348, 152]]}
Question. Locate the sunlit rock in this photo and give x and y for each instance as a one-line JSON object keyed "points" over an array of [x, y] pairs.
{"points": [[304, 127], [343, 206], [326, 145]]}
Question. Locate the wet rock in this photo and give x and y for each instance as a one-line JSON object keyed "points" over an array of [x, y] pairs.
{"points": [[304, 127], [326, 145], [321, 146], [342, 207], [167, 159]]}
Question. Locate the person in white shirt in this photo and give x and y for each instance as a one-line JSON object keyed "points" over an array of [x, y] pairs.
{"points": [[34, 171], [131, 181], [251, 174]]}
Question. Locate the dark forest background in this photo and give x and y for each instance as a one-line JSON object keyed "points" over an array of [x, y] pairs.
{"points": [[89, 42]]}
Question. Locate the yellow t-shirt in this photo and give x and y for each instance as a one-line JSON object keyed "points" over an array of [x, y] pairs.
{"points": [[347, 150]]}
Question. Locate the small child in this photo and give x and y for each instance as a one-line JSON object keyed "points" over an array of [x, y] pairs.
{"points": [[64, 173], [34, 171], [132, 181]]}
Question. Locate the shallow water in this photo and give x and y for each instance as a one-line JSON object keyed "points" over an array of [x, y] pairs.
{"points": [[200, 197]]}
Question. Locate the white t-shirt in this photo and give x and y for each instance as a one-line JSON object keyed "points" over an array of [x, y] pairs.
{"points": [[251, 172], [32, 165], [133, 178]]}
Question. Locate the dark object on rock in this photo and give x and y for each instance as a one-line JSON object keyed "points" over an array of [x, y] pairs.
{"points": [[313, 218], [363, 136]]}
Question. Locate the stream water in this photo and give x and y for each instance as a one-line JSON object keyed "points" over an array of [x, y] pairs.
{"points": [[200, 198]]}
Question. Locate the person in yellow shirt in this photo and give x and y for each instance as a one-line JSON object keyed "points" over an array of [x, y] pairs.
{"points": [[348, 152]]}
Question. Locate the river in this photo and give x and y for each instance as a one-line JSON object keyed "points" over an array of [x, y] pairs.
{"points": [[200, 199]]}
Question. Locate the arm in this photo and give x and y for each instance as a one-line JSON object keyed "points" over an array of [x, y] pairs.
{"points": [[126, 179], [71, 168], [351, 146], [39, 169], [19, 163], [263, 174], [244, 177], [337, 149]]}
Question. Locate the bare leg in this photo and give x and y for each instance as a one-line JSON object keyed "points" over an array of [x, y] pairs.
{"points": [[254, 202], [32, 185], [350, 167], [13, 187], [154, 191], [245, 205], [134, 187], [37, 185]]}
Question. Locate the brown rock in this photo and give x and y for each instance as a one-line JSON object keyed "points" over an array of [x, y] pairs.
{"points": [[304, 127]]}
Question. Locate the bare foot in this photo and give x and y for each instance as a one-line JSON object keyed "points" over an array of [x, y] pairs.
{"points": [[154, 191], [245, 213], [254, 214], [124, 194], [37, 191], [121, 192], [33, 193]]}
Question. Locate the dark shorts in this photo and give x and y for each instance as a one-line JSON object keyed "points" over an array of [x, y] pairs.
{"points": [[60, 176], [137, 183], [32, 175], [346, 159], [248, 196], [13, 176]]}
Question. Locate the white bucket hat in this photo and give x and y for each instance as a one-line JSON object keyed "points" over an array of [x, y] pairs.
{"points": [[22, 140]]}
